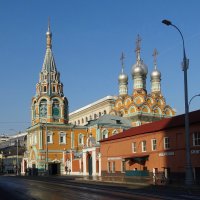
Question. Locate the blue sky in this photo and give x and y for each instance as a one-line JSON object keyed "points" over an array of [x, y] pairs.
{"points": [[88, 38]]}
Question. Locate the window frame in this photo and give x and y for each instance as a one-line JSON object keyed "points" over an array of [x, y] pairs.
{"points": [[62, 135], [50, 135], [144, 146], [166, 142], [134, 150], [153, 145], [80, 137], [196, 140]]}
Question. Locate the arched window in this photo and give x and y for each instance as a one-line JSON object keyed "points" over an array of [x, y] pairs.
{"points": [[45, 88], [95, 116], [86, 119], [81, 139], [43, 108], [105, 134], [104, 112], [55, 109], [82, 120], [99, 114], [78, 122], [114, 132]]}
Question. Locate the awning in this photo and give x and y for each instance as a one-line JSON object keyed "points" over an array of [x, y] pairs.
{"points": [[137, 158]]}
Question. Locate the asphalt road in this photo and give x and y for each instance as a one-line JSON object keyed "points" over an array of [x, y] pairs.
{"points": [[59, 188]]}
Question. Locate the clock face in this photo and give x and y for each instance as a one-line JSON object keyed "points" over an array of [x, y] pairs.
{"points": [[43, 111]]}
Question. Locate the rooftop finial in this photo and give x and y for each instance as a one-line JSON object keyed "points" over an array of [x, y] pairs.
{"points": [[122, 60], [48, 34], [138, 46], [48, 24], [155, 53]]}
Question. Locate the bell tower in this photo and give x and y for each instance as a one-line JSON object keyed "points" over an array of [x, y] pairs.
{"points": [[49, 105]]}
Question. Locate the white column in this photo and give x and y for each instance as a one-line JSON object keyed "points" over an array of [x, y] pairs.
{"points": [[99, 164], [40, 140], [84, 163]]}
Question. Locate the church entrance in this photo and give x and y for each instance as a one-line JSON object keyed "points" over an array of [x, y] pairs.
{"points": [[54, 168]]}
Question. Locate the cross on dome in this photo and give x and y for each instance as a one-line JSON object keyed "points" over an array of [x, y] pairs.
{"points": [[155, 54], [138, 46]]}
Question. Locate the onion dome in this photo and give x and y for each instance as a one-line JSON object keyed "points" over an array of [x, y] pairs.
{"points": [[139, 68], [155, 75], [122, 78]]}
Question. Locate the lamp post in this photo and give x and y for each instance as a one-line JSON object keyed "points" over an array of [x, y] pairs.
{"points": [[197, 95], [46, 150], [188, 173]]}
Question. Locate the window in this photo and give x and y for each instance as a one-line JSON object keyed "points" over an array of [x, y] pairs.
{"points": [[134, 147], [82, 121], [123, 166], [105, 134], [55, 109], [54, 88], [50, 138], [114, 132], [62, 139], [95, 116], [153, 144], [144, 146], [196, 139], [113, 167], [43, 108], [109, 169], [166, 143], [81, 139], [104, 112], [35, 138], [45, 88], [99, 114]]}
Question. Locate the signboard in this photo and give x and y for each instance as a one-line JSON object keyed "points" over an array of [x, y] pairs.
{"points": [[195, 151], [169, 153]]}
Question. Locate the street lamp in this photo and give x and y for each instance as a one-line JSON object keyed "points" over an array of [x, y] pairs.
{"points": [[46, 152], [197, 95], [188, 174]]}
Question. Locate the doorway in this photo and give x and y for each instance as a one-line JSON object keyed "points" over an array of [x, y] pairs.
{"points": [[54, 168]]}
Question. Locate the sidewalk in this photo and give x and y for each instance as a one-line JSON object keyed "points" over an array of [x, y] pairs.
{"points": [[130, 182]]}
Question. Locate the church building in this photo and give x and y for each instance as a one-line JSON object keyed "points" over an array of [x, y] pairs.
{"points": [[141, 107], [50, 134]]}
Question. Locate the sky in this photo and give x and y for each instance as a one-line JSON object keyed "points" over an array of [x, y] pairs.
{"points": [[88, 39]]}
